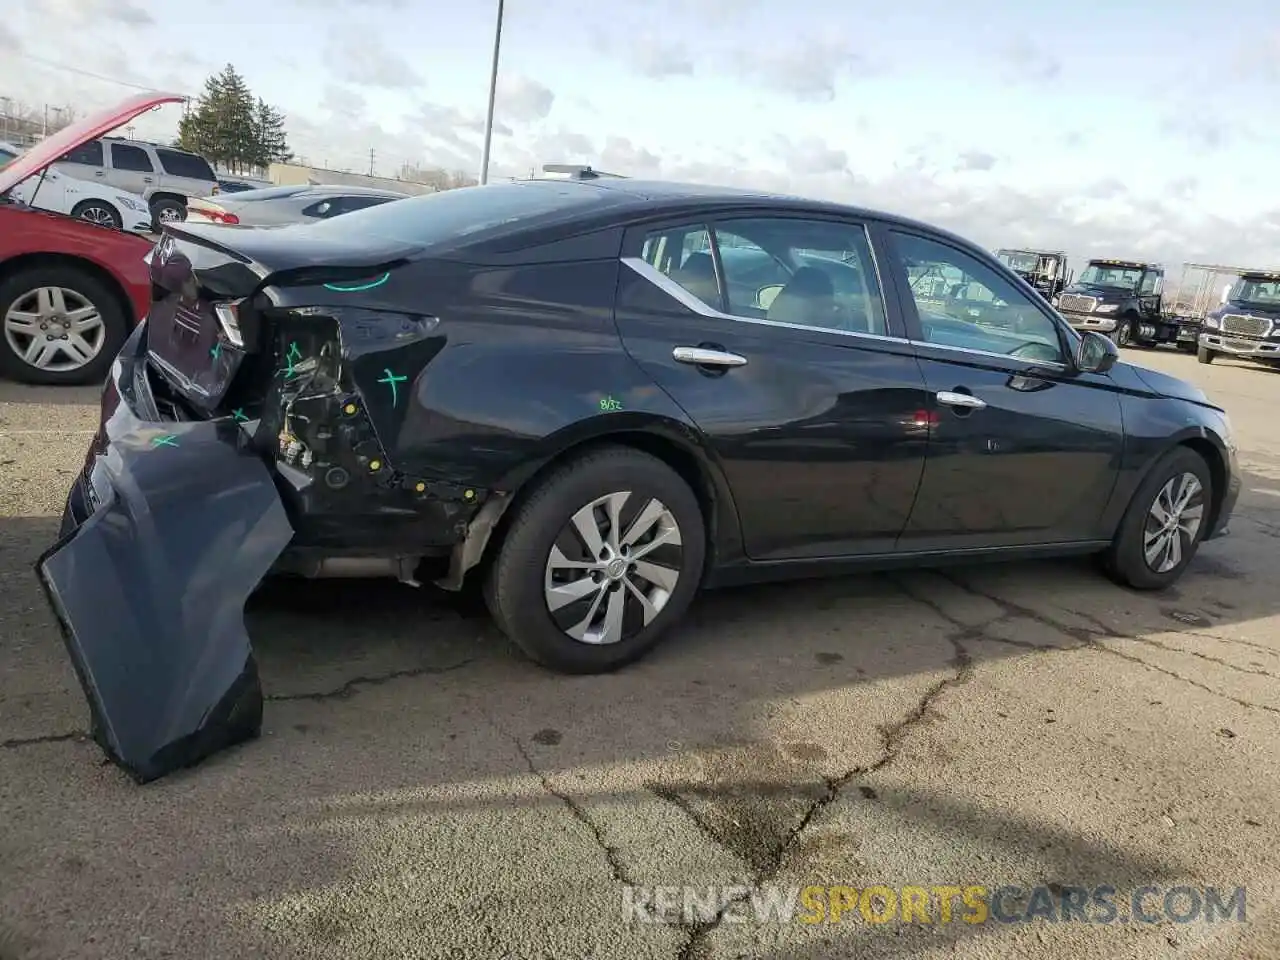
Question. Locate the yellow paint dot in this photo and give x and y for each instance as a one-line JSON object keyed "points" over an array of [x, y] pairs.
{"points": [[349, 408], [420, 487], [375, 464]]}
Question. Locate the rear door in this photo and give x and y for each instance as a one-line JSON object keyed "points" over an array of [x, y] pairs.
{"points": [[807, 392], [1023, 450], [130, 168]]}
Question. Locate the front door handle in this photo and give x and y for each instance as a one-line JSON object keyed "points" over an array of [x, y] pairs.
{"points": [[704, 357], [966, 400], [147, 180]]}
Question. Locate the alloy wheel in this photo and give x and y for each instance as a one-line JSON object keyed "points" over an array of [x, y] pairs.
{"points": [[1124, 333], [1173, 522], [54, 329], [170, 215], [99, 215], [613, 568]]}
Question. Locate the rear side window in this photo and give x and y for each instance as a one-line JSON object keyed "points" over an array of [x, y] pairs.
{"points": [[87, 153], [465, 212], [185, 165], [125, 157]]}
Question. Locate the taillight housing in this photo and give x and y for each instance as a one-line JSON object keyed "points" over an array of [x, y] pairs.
{"points": [[220, 216]]}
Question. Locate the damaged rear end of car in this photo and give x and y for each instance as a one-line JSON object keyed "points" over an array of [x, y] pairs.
{"points": [[255, 410]]}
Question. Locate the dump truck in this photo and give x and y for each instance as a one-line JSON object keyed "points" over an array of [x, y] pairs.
{"points": [[1125, 300], [1045, 270], [1246, 323]]}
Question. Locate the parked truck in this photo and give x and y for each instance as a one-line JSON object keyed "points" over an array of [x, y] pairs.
{"points": [[1046, 270], [1125, 300], [1246, 323]]}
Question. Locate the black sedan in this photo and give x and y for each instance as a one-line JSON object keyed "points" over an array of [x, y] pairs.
{"points": [[593, 398]]}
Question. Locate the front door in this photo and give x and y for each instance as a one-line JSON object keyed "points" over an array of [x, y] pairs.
{"points": [[1024, 450], [773, 335]]}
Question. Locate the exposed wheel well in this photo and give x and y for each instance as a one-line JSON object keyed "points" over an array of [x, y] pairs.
{"points": [[30, 261], [672, 454], [165, 195], [94, 201]]}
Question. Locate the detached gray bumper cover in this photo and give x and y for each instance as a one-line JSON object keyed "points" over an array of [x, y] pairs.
{"points": [[150, 588]]}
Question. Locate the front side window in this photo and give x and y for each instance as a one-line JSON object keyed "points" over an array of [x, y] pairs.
{"points": [[1150, 283], [965, 303], [89, 154], [133, 159]]}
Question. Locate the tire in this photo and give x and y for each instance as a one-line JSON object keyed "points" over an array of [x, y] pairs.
{"points": [[1185, 347], [99, 212], [1122, 335], [1204, 354], [1125, 560], [517, 580], [24, 306], [167, 210]]}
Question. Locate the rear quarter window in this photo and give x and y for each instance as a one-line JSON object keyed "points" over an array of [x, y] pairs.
{"points": [[185, 165]]}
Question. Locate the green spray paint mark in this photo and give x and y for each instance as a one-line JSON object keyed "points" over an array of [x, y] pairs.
{"points": [[168, 440], [239, 414], [391, 380], [609, 405], [216, 352], [357, 287], [289, 358]]}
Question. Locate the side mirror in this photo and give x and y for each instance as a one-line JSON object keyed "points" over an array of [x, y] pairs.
{"points": [[1096, 353]]}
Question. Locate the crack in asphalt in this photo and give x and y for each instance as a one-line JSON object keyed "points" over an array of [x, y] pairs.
{"points": [[892, 738], [611, 853], [16, 743], [353, 685], [1233, 641], [1093, 639]]}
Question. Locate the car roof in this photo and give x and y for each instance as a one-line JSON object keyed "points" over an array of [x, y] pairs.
{"points": [[660, 196], [353, 191]]}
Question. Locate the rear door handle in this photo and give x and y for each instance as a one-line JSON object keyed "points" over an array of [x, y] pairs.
{"points": [[966, 400], [703, 357]]}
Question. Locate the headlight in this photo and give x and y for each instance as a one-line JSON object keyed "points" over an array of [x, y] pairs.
{"points": [[1106, 308], [131, 204], [1054, 301], [1211, 323]]}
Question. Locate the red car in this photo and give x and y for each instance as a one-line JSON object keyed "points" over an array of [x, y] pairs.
{"points": [[70, 291]]}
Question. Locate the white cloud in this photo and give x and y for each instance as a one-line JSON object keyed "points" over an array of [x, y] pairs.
{"points": [[369, 63], [523, 99]]}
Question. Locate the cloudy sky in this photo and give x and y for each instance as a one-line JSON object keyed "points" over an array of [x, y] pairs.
{"points": [[1119, 128]]}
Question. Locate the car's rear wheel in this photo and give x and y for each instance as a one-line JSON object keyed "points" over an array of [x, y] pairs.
{"points": [[61, 326], [598, 562], [1205, 355], [167, 210], [99, 212], [1164, 524]]}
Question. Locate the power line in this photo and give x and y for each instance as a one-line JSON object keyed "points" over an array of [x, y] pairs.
{"points": [[86, 73]]}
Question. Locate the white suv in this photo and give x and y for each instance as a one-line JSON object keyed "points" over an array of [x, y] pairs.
{"points": [[164, 176]]}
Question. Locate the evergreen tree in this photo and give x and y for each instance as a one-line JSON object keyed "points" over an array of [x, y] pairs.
{"points": [[229, 126]]}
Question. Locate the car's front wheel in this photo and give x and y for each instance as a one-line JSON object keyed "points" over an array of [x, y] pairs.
{"points": [[604, 556], [1164, 524], [1204, 354], [61, 326], [99, 212]]}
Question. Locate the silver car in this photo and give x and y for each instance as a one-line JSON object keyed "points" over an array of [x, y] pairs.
{"points": [[278, 206]]}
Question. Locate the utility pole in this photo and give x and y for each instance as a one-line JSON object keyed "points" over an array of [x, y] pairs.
{"points": [[493, 95], [371, 161]]}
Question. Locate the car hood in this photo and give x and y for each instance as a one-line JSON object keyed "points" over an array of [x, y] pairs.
{"points": [[48, 150], [1169, 386], [1270, 311]]}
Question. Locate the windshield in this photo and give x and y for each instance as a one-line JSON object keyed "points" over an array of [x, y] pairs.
{"points": [[1256, 290], [268, 193], [1025, 262], [450, 214], [1101, 275]]}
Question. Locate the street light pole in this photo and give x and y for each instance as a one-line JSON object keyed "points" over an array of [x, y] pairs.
{"points": [[493, 95]]}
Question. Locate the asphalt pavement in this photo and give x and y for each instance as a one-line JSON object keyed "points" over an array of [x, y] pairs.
{"points": [[421, 791]]}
